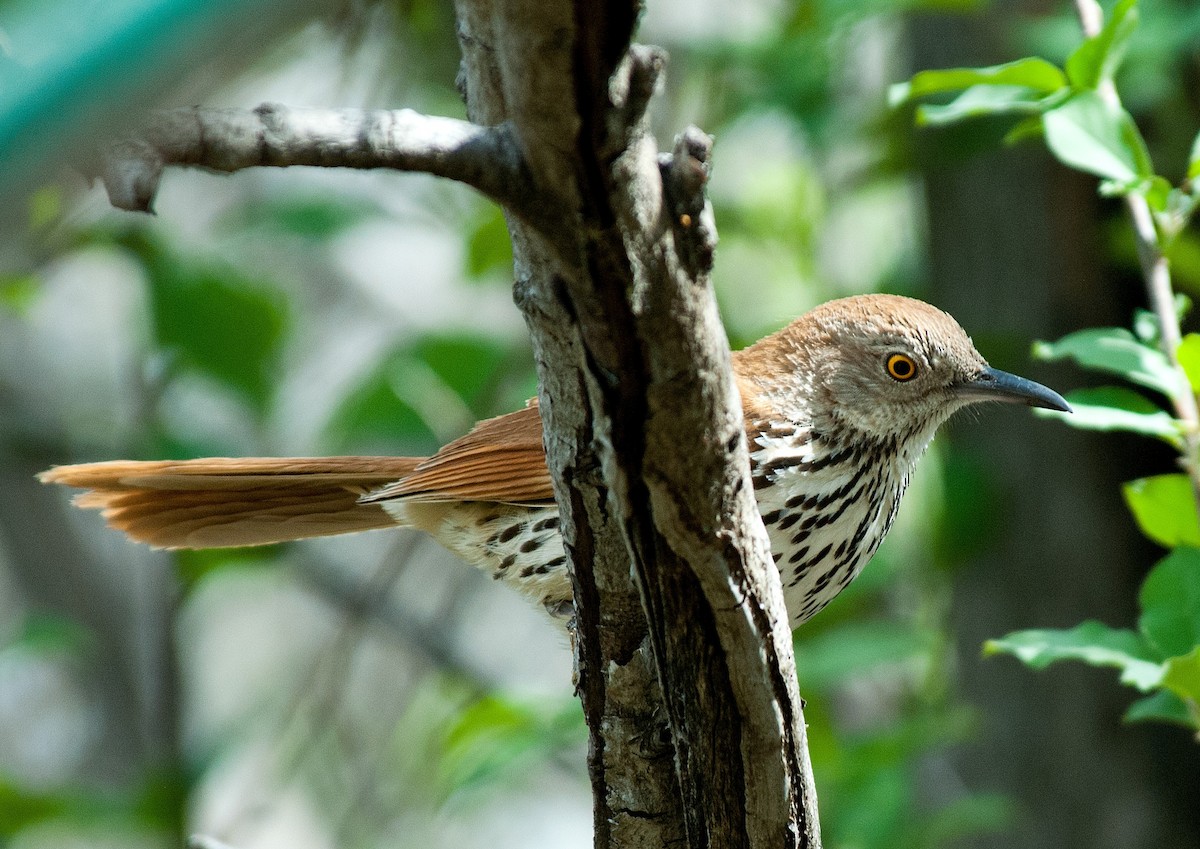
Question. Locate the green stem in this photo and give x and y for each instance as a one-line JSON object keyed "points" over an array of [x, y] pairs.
{"points": [[1156, 272]]}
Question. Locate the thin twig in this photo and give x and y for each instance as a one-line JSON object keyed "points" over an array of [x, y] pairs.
{"points": [[1157, 275]]}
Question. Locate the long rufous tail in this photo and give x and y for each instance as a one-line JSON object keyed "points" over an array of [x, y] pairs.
{"points": [[221, 502]]}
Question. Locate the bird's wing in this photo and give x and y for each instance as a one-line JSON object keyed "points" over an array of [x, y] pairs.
{"points": [[501, 459]]}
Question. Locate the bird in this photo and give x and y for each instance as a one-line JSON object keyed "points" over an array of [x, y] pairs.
{"points": [[839, 405]]}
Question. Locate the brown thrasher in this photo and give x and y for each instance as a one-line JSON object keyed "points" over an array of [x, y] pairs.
{"points": [[839, 406]]}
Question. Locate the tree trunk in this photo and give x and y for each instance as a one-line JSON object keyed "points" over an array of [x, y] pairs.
{"points": [[645, 440]]}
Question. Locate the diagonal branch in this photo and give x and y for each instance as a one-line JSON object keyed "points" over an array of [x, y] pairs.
{"points": [[229, 140]]}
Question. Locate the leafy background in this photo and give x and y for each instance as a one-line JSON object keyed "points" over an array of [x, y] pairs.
{"points": [[371, 691]]}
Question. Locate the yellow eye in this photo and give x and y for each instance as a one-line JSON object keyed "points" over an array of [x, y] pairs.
{"points": [[901, 367]]}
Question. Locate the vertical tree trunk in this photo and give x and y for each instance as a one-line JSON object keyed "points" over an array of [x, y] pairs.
{"points": [[645, 442]]}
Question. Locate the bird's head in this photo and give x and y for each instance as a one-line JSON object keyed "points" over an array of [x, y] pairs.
{"points": [[883, 364]]}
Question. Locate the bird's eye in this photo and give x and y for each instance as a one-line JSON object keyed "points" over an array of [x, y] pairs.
{"points": [[901, 367]]}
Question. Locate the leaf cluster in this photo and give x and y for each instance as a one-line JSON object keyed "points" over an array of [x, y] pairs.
{"points": [[1077, 111], [1074, 108]]}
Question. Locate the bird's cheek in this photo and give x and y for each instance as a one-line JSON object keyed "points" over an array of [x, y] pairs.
{"points": [[865, 411]]}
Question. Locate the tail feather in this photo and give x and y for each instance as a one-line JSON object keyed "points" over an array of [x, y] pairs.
{"points": [[221, 502]]}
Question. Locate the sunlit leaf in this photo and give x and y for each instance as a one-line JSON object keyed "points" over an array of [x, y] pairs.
{"points": [[1110, 408], [1114, 350], [1170, 601], [1165, 509], [1183, 676], [1091, 134], [1158, 193], [1097, 59], [1032, 73], [1093, 643], [1188, 355]]}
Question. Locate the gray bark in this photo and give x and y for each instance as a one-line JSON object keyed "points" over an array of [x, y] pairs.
{"points": [[645, 441]]}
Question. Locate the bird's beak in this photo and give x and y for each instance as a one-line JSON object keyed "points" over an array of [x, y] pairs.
{"points": [[995, 385]]}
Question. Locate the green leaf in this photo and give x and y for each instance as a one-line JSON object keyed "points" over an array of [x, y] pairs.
{"points": [[1090, 134], [1188, 354], [48, 633], [1170, 600], [1145, 327], [422, 393], [966, 817], [854, 648], [373, 418], [1193, 170], [1097, 59], [1163, 706], [1159, 194], [1031, 73], [466, 364], [21, 808], [1165, 509], [1026, 128], [1110, 408], [489, 247], [195, 565], [225, 326], [313, 217], [494, 736], [1183, 676], [45, 207], [1114, 350], [18, 292], [1093, 643], [213, 319], [982, 100]]}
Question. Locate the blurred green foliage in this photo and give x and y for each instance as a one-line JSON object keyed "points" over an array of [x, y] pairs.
{"points": [[817, 147], [434, 387]]}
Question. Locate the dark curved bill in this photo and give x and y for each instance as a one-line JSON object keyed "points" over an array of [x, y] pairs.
{"points": [[995, 385]]}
